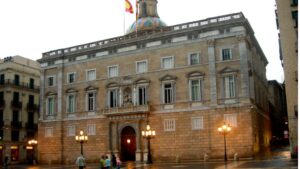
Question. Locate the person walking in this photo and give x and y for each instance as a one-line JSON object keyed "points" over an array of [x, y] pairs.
{"points": [[6, 162], [118, 162], [80, 162], [107, 162], [102, 162], [114, 162]]}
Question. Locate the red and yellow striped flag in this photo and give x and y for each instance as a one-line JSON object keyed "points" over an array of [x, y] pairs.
{"points": [[128, 7]]}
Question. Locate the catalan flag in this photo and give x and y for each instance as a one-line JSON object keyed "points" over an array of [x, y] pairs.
{"points": [[128, 7]]}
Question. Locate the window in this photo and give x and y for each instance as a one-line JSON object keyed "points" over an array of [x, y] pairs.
{"points": [[168, 93], [229, 86], [91, 75], [71, 130], [142, 95], [15, 135], [230, 119], [91, 101], [226, 54], [31, 83], [50, 106], [294, 2], [49, 132], [71, 77], [169, 125], [194, 59], [167, 62], [195, 89], [91, 129], [2, 79], [71, 103], [197, 123], [141, 66], [113, 97], [295, 17], [17, 80], [113, 71], [50, 81]]}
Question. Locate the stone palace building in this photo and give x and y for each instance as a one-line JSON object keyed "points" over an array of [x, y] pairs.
{"points": [[185, 81]]}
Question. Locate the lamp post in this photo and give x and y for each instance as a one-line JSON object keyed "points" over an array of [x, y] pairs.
{"points": [[224, 129], [148, 134], [81, 138], [33, 143]]}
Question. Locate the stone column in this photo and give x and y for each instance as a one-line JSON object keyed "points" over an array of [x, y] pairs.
{"points": [[59, 92], [244, 68], [138, 153], [212, 71], [109, 138], [115, 138], [42, 94]]}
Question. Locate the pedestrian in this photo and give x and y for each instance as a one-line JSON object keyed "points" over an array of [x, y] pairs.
{"points": [[114, 162], [118, 162], [107, 162], [80, 162], [102, 162], [5, 161]]}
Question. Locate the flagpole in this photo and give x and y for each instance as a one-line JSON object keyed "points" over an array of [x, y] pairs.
{"points": [[136, 16], [124, 19]]}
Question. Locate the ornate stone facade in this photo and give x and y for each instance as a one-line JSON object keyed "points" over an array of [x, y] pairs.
{"points": [[287, 19], [19, 102], [184, 80]]}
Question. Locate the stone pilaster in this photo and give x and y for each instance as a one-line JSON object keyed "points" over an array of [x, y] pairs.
{"points": [[59, 92], [212, 71], [138, 153], [42, 94], [109, 138], [244, 75]]}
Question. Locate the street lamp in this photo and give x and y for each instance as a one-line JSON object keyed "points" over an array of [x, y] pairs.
{"points": [[224, 129], [33, 143], [81, 138], [148, 134]]}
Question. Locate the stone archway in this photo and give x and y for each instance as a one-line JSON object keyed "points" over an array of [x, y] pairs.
{"points": [[128, 144]]}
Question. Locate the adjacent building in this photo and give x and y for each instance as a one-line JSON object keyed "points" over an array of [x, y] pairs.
{"points": [[287, 19], [19, 100], [185, 81], [278, 113]]}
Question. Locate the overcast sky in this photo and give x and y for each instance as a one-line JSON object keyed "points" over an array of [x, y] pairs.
{"points": [[31, 27]]}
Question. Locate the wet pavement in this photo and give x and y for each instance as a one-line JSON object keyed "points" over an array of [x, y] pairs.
{"points": [[278, 158], [251, 164]]}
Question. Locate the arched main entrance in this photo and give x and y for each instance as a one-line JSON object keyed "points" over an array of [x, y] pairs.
{"points": [[128, 144]]}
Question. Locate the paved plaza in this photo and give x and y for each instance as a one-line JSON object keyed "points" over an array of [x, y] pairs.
{"points": [[251, 164], [278, 158]]}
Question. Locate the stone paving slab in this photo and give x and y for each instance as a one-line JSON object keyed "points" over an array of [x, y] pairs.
{"points": [[251, 164]]}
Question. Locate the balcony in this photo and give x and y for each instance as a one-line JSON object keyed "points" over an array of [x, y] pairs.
{"points": [[32, 107], [31, 126], [2, 104], [19, 85], [16, 124], [16, 105], [127, 110]]}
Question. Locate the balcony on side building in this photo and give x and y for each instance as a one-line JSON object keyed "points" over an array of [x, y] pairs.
{"points": [[2, 104], [31, 126], [130, 109], [16, 124], [19, 85], [16, 104], [32, 107], [1, 124]]}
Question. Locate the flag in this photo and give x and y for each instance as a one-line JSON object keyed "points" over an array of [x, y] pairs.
{"points": [[128, 6]]}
